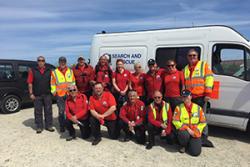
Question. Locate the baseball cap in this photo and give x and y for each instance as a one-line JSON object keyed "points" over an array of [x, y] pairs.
{"points": [[185, 93], [80, 58], [151, 62]]}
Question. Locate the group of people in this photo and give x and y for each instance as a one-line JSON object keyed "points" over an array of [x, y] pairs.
{"points": [[164, 102]]}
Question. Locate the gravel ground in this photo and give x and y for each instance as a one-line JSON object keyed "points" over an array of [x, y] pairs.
{"points": [[21, 146]]}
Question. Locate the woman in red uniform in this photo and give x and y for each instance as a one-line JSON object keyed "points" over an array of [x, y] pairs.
{"points": [[120, 82], [173, 84], [137, 81]]}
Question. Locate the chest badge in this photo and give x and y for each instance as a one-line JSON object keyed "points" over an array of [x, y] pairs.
{"points": [[104, 103], [125, 75]]}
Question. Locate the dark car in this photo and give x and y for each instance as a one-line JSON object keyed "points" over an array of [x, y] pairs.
{"points": [[13, 84]]}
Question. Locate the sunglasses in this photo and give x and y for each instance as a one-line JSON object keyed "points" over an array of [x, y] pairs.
{"points": [[138, 67], [157, 97], [170, 65], [72, 90], [192, 55], [41, 60]]}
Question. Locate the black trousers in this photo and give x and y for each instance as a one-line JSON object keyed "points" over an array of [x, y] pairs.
{"points": [[140, 136], [43, 102], [85, 129], [152, 131], [173, 101], [120, 101], [193, 145], [96, 128], [199, 100], [61, 110]]}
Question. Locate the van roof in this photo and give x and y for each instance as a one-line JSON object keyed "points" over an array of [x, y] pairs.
{"points": [[178, 28]]}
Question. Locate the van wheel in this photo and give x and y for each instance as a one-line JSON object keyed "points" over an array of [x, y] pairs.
{"points": [[10, 104]]}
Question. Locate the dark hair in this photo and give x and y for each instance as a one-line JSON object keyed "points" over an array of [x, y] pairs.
{"points": [[193, 50], [120, 60]]}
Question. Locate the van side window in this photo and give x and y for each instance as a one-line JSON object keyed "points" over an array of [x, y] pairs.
{"points": [[23, 71], [229, 59], [179, 54], [6, 72]]}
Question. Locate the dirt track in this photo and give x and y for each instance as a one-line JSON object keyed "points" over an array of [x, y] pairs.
{"points": [[21, 146]]}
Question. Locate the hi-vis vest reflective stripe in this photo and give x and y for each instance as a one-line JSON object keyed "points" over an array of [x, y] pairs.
{"points": [[62, 81], [194, 119], [201, 80], [165, 109]]}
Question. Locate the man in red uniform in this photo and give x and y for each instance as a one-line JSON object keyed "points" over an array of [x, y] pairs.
{"points": [[153, 80], [159, 120], [84, 75], [173, 83], [132, 116], [39, 89], [76, 108], [102, 106], [103, 73]]}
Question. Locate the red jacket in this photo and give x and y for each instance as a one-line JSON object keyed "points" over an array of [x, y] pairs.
{"points": [[83, 77], [153, 83], [133, 112], [79, 108], [103, 74], [158, 121]]}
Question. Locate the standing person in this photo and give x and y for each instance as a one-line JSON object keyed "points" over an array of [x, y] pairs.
{"points": [[132, 116], [159, 120], [199, 80], [153, 80], [103, 72], [173, 84], [39, 90], [61, 78], [120, 80], [102, 106], [137, 81], [85, 75], [190, 121], [77, 112]]}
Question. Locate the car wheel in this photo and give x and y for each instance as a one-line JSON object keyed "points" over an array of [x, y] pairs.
{"points": [[10, 104]]}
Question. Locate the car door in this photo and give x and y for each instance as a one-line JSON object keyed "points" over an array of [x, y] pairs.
{"points": [[230, 64]]}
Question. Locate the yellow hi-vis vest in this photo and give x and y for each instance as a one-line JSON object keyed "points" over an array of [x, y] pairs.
{"points": [[60, 82], [165, 109], [195, 120], [202, 79]]}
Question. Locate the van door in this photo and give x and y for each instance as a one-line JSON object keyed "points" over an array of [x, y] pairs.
{"points": [[231, 67]]}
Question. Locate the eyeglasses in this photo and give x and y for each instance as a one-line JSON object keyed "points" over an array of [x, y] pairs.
{"points": [[157, 97], [72, 90], [41, 60], [192, 55], [138, 67]]}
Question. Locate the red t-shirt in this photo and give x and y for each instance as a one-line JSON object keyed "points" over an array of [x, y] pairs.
{"points": [[172, 83], [133, 112], [102, 74], [137, 83], [122, 79], [83, 76], [30, 78], [79, 108], [101, 105], [158, 121], [153, 82]]}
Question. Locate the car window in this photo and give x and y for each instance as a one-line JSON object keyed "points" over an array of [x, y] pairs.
{"points": [[6, 72], [179, 54], [23, 71], [228, 59]]}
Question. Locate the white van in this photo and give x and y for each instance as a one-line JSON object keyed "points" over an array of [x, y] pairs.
{"points": [[226, 50]]}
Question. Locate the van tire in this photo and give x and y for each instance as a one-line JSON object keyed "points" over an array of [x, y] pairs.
{"points": [[10, 104]]}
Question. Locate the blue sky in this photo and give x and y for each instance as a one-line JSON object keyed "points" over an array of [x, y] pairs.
{"points": [[55, 28]]}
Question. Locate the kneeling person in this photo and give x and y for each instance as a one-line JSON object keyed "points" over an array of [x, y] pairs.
{"points": [[76, 108], [159, 120], [189, 120], [132, 116], [102, 107]]}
